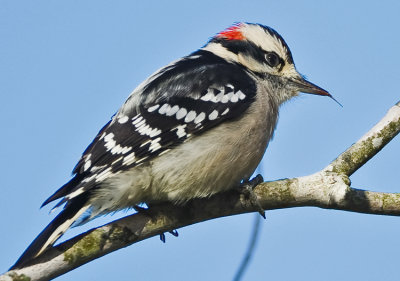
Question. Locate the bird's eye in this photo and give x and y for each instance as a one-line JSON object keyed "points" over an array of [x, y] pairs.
{"points": [[272, 59]]}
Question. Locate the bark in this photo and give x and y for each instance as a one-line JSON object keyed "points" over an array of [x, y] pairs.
{"points": [[330, 188]]}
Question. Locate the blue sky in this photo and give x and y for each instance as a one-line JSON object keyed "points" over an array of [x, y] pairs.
{"points": [[67, 66]]}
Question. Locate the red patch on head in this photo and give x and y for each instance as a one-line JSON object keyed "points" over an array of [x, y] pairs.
{"points": [[231, 33]]}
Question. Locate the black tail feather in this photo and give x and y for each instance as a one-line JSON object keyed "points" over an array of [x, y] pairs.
{"points": [[63, 190], [53, 230]]}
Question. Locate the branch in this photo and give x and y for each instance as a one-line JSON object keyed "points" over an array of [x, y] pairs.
{"points": [[369, 145], [329, 188]]}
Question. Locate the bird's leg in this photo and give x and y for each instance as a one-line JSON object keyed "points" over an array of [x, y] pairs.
{"points": [[247, 189]]}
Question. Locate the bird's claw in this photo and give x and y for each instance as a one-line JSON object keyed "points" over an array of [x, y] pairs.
{"points": [[247, 189], [162, 237], [173, 232]]}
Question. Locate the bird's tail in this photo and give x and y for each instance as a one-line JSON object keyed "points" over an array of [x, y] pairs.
{"points": [[72, 211]]}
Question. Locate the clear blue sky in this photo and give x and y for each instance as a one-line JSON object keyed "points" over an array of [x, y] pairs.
{"points": [[67, 66]]}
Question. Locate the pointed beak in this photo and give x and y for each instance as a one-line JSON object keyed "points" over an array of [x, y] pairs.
{"points": [[304, 86]]}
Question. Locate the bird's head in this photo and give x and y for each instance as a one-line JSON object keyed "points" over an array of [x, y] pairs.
{"points": [[262, 51]]}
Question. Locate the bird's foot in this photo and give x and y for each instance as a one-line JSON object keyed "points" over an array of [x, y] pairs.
{"points": [[247, 190], [173, 232]]}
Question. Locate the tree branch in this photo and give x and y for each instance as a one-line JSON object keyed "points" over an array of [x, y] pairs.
{"points": [[329, 188], [369, 145]]}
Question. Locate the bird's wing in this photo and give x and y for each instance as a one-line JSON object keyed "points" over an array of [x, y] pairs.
{"points": [[182, 100]]}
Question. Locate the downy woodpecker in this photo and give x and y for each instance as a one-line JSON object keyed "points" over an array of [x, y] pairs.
{"points": [[196, 127]]}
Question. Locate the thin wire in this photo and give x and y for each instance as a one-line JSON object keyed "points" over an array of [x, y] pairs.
{"points": [[250, 250]]}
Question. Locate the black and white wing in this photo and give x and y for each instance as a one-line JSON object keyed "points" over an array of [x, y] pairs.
{"points": [[177, 103]]}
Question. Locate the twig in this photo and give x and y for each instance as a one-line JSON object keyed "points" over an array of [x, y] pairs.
{"points": [[369, 145], [250, 250]]}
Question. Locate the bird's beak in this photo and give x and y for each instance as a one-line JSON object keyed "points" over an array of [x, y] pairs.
{"points": [[302, 85]]}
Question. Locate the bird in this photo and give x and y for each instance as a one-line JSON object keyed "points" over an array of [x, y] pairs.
{"points": [[196, 127]]}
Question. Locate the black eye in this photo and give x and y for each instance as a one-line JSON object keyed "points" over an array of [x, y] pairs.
{"points": [[272, 59]]}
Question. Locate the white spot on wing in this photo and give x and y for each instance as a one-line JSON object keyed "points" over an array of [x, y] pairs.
{"points": [[173, 110], [144, 129], [140, 124], [118, 149], [190, 116], [234, 98], [109, 141], [112, 146], [164, 108], [155, 145], [137, 119], [225, 111], [181, 113], [180, 131], [87, 165], [109, 137], [213, 115], [123, 119], [154, 132], [200, 118], [153, 108], [241, 95]]}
